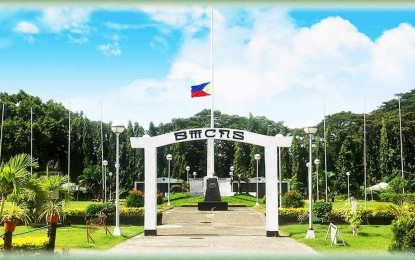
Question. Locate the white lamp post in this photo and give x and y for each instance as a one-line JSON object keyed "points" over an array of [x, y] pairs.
{"points": [[257, 158], [117, 129], [231, 174], [110, 174], [310, 130], [348, 185], [168, 157], [1, 129], [187, 175], [317, 162], [105, 163]]}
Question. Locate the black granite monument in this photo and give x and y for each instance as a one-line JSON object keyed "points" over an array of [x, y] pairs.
{"points": [[212, 197]]}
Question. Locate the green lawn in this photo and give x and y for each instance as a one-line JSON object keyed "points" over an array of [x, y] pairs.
{"points": [[239, 199], [74, 237], [372, 239]]}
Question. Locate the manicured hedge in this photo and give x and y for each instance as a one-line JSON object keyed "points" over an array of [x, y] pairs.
{"points": [[27, 244], [128, 216], [371, 216]]}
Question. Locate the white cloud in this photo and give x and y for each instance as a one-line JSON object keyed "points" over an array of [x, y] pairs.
{"points": [[270, 68], [121, 26], [110, 49], [159, 43], [58, 19], [80, 40], [26, 27], [190, 19]]}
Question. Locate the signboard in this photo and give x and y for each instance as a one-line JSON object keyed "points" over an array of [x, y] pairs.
{"points": [[334, 232]]}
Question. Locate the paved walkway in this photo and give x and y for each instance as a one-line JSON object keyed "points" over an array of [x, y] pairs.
{"points": [[188, 232]]}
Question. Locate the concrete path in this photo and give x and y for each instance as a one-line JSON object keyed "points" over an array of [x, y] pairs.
{"points": [[189, 232]]}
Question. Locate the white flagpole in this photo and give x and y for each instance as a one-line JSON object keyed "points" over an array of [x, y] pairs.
{"points": [[211, 142], [400, 135], [102, 161], [325, 147], [1, 132], [69, 144], [31, 138], [364, 151]]}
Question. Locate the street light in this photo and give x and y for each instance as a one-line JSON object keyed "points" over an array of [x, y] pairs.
{"points": [[1, 130], [187, 175], [310, 130], [257, 158], [231, 174], [117, 128], [317, 162], [105, 163], [110, 174], [168, 157], [348, 185]]}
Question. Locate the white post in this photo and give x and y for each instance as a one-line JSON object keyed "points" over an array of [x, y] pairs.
{"points": [[364, 151], [31, 138], [348, 186], [400, 135], [317, 181], [102, 161], [117, 229], [280, 176], [69, 144], [1, 132], [310, 130], [325, 149], [168, 157], [110, 174], [150, 188], [310, 232], [271, 166], [257, 158], [211, 142]]}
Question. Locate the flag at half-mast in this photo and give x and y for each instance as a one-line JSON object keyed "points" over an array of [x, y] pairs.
{"points": [[201, 90]]}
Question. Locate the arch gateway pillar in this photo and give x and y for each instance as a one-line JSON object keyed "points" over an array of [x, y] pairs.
{"points": [[270, 144]]}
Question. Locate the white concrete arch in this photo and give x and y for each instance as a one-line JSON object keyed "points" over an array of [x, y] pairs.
{"points": [[270, 144]]}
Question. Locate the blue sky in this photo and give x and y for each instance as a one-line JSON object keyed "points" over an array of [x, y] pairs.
{"points": [[272, 61]]}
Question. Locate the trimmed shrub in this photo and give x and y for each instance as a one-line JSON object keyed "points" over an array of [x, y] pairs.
{"points": [[340, 197], [135, 199], [133, 212], [291, 212], [403, 229], [176, 188], [27, 244], [95, 209], [397, 198], [78, 212], [322, 210], [292, 199]]}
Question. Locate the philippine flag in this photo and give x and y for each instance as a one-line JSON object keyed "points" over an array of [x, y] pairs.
{"points": [[201, 90]]}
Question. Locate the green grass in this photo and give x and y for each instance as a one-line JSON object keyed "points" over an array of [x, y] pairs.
{"points": [[371, 239], [74, 237], [239, 199]]}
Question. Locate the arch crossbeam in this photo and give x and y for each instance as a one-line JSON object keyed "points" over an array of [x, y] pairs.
{"points": [[270, 143]]}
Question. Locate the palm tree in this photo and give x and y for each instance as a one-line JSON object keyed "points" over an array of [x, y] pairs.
{"points": [[242, 176], [15, 178], [91, 180]]}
